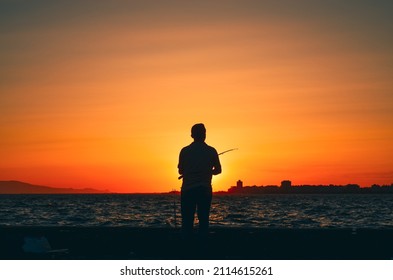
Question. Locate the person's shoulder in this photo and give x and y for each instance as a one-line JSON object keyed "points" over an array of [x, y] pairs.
{"points": [[211, 149], [185, 149]]}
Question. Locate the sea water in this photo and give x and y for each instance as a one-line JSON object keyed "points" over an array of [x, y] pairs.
{"points": [[137, 210]]}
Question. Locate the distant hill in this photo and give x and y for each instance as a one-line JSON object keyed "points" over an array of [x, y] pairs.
{"points": [[16, 187]]}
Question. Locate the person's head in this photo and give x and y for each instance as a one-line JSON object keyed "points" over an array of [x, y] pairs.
{"points": [[198, 132]]}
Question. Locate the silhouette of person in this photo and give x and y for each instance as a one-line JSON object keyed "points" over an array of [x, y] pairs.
{"points": [[198, 162]]}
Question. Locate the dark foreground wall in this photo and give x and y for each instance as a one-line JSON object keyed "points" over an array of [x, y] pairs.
{"points": [[222, 243]]}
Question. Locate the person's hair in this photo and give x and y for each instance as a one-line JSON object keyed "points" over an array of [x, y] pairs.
{"points": [[198, 131]]}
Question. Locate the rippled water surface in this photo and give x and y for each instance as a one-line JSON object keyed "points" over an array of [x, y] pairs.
{"points": [[280, 211]]}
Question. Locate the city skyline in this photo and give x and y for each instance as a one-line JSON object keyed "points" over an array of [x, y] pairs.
{"points": [[18, 187]]}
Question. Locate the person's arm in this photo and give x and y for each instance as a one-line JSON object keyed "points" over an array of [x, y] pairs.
{"points": [[180, 164], [217, 165]]}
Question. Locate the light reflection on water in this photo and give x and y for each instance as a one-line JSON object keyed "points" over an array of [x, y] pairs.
{"points": [[280, 211]]}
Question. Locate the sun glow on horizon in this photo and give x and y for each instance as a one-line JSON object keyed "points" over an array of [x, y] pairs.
{"points": [[106, 100]]}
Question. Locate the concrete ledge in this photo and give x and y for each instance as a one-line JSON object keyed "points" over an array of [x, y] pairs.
{"points": [[222, 243]]}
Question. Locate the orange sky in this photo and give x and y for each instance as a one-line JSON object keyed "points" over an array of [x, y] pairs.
{"points": [[103, 94]]}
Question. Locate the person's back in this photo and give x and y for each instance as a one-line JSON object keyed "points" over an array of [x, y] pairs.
{"points": [[197, 162]]}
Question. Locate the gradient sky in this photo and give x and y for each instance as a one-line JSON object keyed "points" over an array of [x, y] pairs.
{"points": [[103, 94]]}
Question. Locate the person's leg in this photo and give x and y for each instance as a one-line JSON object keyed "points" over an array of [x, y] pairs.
{"points": [[188, 206], [204, 201]]}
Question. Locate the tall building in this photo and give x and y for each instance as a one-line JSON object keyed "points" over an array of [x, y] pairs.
{"points": [[237, 188], [286, 184]]}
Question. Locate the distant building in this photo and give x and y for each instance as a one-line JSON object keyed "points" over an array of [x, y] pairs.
{"points": [[286, 184], [237, 188]]}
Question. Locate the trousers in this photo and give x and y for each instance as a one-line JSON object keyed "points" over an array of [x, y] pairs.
{"points": [[198, 200]]}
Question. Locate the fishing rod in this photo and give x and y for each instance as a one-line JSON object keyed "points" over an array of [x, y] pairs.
{"points": [[230, 150]]}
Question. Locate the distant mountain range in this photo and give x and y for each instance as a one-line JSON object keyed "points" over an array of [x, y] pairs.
{"points": [[16, 187]]}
